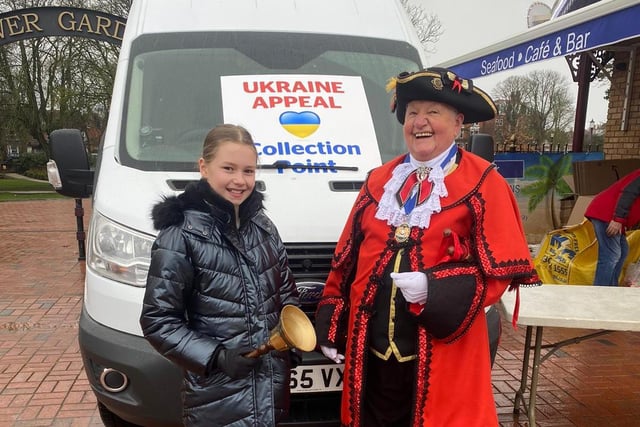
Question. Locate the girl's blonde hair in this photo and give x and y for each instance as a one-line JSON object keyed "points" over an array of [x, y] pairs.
{"points": [[225, 133]]}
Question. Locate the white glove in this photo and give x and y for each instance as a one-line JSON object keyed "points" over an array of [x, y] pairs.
{"points": [[413, 285], [332, 353]]}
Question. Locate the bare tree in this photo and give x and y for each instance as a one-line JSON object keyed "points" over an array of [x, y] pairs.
{"points": [[549, 102], [427, 25], [536, 107], [510, 95], [114, 7], [55, 82]]}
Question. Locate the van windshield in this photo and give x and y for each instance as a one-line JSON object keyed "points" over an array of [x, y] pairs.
{"points": [[174, 86]]}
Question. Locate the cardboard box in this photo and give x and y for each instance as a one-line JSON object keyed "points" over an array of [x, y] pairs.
{"points": [[577, 213], [593, 176]]}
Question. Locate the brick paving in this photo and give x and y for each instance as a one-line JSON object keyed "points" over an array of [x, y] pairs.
{"points": [[42, 383]]}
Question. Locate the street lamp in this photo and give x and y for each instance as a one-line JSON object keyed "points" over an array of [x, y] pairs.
{"points": [[592, 124]]}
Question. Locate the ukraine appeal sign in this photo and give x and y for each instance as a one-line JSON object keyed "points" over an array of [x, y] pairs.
{"points": [[306, 123]]}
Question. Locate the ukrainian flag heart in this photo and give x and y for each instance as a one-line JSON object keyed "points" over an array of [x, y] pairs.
{"points": [[300, 124]]}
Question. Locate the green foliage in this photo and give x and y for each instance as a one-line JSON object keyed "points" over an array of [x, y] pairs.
{"points": [[16, 197], [12, 189], [537, 192], [13, 184], [30, 161], [37, 173], [549, 182]]}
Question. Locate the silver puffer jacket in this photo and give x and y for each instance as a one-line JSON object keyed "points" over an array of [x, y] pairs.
{"points": [[212, 284]]}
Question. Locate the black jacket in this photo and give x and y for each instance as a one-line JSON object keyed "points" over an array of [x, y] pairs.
{"points": [[211, 284]]}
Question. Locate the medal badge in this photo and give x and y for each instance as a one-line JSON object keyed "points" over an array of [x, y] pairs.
{"points": [[422, 173], [402, 233]]}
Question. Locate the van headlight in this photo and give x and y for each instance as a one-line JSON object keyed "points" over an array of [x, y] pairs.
{"points": [[118, 252]]}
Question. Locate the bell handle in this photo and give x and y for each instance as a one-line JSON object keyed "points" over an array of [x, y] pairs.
{"points": [[263, 349]]}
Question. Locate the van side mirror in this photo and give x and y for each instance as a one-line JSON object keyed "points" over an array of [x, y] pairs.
{"points": [[71, 160], [481, 144]]}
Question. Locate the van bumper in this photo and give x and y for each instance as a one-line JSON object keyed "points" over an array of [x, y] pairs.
{"points": [[152, 395], [148, 373]]}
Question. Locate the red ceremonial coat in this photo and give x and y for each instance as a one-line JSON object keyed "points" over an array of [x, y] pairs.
{"points": [[453, 372]]}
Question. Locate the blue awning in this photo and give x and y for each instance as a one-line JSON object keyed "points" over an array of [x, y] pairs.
{"points": [[601, 24]]}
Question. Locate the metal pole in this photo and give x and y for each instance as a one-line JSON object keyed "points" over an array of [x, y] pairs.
{"points": [[584, 80]]}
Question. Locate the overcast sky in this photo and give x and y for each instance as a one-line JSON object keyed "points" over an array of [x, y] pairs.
{"points": [[473, 24]]}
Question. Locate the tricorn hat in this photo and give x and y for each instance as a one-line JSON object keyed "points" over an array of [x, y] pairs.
{"points": [[444, 86]]}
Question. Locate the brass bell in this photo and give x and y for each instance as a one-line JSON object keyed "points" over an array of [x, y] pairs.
{"points": [[294, 330]]}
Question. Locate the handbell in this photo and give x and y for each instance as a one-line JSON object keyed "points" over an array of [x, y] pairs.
{"points": [[294, 330]]}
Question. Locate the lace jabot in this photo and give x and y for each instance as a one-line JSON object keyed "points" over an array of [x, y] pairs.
{"points": [[389, 208]]}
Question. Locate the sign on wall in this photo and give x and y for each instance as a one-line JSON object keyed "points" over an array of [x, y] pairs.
{"points": [[60, 21], [596, 32]]}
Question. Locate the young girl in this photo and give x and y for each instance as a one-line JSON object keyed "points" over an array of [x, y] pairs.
{"points": [[218, 279]]}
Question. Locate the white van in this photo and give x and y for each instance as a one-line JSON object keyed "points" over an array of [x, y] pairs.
{"points": [[307, 79]]}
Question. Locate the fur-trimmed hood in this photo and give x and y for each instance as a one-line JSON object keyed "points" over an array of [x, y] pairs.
{"points": [[200, 197]]}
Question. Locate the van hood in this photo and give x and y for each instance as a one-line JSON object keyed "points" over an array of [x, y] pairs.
{"points": [[304, 208], [134, 208]]}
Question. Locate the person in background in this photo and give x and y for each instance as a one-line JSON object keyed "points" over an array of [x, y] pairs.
{"points": [[612, 211], [218, 280], [433, 238]]}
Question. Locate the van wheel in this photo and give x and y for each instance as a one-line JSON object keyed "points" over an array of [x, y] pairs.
{"points": [[109, 419]]}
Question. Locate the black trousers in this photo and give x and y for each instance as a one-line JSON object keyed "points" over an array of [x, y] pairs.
{"points": [[389, 388]]}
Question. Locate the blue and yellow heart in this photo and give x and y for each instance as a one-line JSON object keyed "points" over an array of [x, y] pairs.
{"points": [[300, 124]]}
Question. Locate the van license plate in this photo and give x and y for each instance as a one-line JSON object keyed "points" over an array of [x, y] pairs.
{"points": [[316, 378]]}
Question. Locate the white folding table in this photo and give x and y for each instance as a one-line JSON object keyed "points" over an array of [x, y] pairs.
{"points": [[601, 308]]}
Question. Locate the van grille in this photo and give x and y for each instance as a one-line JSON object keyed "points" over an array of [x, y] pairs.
{"points": [[310, 264], [310, 261], [346, 185]]}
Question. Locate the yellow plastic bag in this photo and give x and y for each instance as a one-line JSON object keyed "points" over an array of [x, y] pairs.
{"points": [[633, 237], [568, 256], [632, 275]]}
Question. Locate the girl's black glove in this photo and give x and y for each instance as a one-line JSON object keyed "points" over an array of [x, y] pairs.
{"points": [[234, 364]]}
